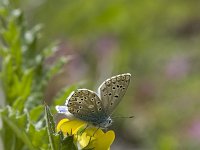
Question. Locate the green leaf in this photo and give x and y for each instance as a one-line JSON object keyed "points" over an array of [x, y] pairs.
{"points": [[36, 113], [31, 52], [25, 84], [50, 127], [22, 89], [7, 77], [39, 137], [3, 51], [49, 120], [18, 125], [67, 143], [50, 50], [57, 67], [24, 76]]}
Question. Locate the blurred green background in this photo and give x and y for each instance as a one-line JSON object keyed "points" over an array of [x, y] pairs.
{"points": [[158, 42]]}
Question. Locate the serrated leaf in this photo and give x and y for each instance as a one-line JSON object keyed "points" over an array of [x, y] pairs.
{"points": [[50, 50], [35, 113], [17, 125], [22, 89], [25, 83], [3, 51], [57, 67], [67, 143], [7, 77], [36, 135], [18, 104], [22, 121], [50, 128], [49, 118]]}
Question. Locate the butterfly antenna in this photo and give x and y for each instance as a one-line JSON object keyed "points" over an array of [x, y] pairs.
{"points": [[122, 117]]}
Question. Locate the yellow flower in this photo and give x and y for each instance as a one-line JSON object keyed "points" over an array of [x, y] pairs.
{"points": [[90, 138]]}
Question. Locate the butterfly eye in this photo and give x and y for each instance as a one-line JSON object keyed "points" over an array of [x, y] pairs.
{"points": [[110, 94], [92, 99], [100, 108], [78, 111], [111, 103], [93, 111], [120, 86], [109, 121], [80, 107], [116, 96], [82, 99], [79, 102], [113, 87]]}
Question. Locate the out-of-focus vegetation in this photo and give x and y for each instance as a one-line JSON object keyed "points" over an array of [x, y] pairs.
{"points": [[156, 41]]}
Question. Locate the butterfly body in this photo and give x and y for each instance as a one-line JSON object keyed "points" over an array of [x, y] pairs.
{"points": [[96, 108]]}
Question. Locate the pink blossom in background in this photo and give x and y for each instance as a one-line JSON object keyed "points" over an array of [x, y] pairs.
{"points": [[177, 67], [194, 129], [105, 45]]}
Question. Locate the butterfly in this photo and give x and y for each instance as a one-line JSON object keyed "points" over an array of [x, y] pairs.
{"points": [[97, 108]]}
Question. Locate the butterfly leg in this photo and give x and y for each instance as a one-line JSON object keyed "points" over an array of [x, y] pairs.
{"points": [[81, 132], [96, 131], [94, 134], [106, 129]]}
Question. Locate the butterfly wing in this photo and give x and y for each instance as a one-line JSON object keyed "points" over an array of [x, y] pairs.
{"points": [[85, 104], [112, 91]]}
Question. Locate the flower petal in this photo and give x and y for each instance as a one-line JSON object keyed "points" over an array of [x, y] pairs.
{"points": [[70, 126], [103, 142], [91, 138], [100, 140]]}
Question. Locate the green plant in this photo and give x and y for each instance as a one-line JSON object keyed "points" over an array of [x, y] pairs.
{"points": [[24, 78]]}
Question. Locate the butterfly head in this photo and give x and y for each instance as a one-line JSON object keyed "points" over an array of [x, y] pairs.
{"points": [[106, 123]]}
